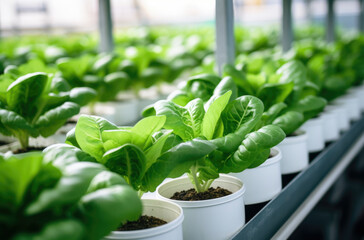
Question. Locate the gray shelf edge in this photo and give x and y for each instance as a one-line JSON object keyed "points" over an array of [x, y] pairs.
{"points": [[275, 214]]}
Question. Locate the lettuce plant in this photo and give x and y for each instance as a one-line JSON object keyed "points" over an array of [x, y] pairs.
{"points": [[288, 95], [61, 196], [132, 152], [227, 123], [36, 104], [100, 73]]}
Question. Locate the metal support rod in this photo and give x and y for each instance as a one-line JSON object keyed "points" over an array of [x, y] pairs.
{"points": [[361, 16], [225, 41], [309, 14], [105, 26], [330, 22], [287, 31]]}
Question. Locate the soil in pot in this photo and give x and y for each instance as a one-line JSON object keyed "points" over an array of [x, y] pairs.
{"points": [[144, 222], [192, 195], [29, 149]]}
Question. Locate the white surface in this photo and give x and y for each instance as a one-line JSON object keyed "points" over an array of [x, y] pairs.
{"points": [[297, 217], [218, 218], [294, 154], [341, 114], [315, 134], [264, 182], [351, 103], [168, 211], [120, 113], [330, 126]]}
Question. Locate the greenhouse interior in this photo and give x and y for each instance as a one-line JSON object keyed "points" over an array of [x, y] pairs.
{"points": [[171, 120]]}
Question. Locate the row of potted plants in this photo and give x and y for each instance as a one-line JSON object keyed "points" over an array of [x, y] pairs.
{"points": [[230, 133], [209, 127]]}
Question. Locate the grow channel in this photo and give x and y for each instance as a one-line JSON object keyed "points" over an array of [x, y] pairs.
{"points": [[280, 217]]}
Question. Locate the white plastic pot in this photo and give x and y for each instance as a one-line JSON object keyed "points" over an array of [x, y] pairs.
{"points": [[359, 93], [119, 113], [330, 126], [38, 142], [219, 218], [351, 103], [294, 153], [264, 182], [315, 134], [167, 211], [341, 116]]}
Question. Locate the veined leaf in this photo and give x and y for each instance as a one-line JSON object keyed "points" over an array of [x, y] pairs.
{"points": [[88, 134], [213, 114], [127, 160], [52, 120]]}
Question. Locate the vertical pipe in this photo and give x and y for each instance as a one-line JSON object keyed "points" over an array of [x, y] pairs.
{"points": [[105, 26], [287, 31], [361, 16], [309, 15], [225, 41], [330, 22]]}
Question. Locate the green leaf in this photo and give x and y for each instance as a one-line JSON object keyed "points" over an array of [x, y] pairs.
{"points": [[70, 229], [116, 138], [144, 130], [175, 162], [310, 106], [88, 134], [82, 95], [289, 121], [15, 123], [242, 114], [16, 174], [226, 84], [62, 155], [127, 160], [239, 78], [296, 72], [69, 190], [254, 149], [154, 151], [105, 179], [271, 114], [71, 138], [55, 118], [212, 115], [273, 93], [23, 94], [177, 118], [104, 209]]}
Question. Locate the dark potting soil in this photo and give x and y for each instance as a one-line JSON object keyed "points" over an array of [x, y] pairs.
{"points": [[294, 134], [70, 121], [29, 149], [192, 195], [143, 222]]}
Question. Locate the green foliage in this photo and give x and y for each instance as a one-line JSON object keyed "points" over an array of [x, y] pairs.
{"points": [[51, 197], [31, 106]]}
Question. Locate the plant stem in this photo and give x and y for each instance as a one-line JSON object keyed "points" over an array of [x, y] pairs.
{"points": [[24, 140], [91, 108], [207, 184], [140, 193], [193, 172]]}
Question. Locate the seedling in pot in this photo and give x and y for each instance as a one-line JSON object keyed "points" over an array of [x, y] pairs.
{"points": [[37, 104]]}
